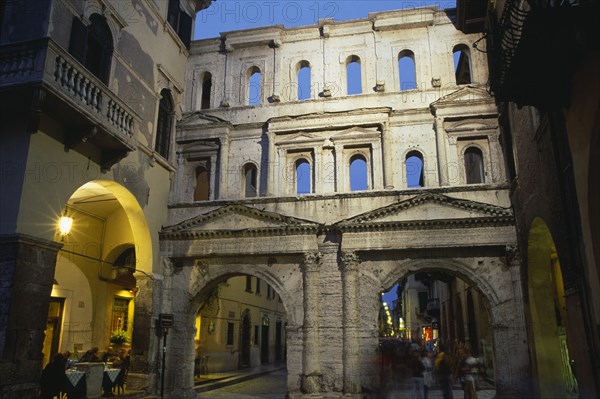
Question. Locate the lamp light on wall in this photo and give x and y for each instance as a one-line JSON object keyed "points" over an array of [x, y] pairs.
{"points": [[65, 223]]}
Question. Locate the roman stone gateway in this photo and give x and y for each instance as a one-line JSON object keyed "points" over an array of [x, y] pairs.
{"points": [[313, 192]]}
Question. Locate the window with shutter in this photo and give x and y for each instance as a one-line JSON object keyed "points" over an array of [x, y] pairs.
{"points": [[92, 45]]}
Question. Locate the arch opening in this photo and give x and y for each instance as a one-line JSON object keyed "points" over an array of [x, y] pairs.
{"points": [[359, 174], [430, 311], [462, 64], [240, 322], [93, 296], [353, 75], [407, 70], [548, 315]]}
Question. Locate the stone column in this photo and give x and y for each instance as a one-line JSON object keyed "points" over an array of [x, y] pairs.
{"points": [[340, 176], [224, 190], [512, 371], [496, 165], [440, 139], [351, 322], [311, 377], [27, 266], [376, 164], [273, 168], [319, 166], [388, 160]]}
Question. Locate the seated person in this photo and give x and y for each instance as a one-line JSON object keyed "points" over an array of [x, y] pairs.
{"points": [[90, 356], [53, 378]]}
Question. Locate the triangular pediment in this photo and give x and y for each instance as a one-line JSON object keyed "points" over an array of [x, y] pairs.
{"points": [[429, 208], [355, 132], [301, 137], [200, 119], [467, 94], [241, 219]]}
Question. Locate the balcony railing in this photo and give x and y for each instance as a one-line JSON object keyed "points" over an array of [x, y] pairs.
{"points": [[44, 64], [433, 305]]}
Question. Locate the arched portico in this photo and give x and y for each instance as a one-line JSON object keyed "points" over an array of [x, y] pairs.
{"points": [[190, 281], [494, 277], [330, 278]]}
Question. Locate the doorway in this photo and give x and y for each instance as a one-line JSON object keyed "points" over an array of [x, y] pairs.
{"points": [[53, 328], [264, 341], [245, 340]]}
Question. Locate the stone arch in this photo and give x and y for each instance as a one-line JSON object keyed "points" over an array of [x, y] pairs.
{"points": [[191, 284], [218, 273], [547, 311], [450, 266]]}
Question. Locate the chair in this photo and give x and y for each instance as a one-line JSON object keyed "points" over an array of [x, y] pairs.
{"points": [[204, 365], [121, 381]]}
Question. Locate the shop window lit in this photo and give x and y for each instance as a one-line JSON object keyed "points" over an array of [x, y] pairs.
{"points": [[119, 315]]}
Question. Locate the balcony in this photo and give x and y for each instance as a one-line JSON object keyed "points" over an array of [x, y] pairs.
{"points": [[535, 48], [42, 78]]}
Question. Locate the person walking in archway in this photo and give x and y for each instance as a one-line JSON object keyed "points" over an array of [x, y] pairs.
{"points": [[468, 373], [443, 367], [417, 369]]}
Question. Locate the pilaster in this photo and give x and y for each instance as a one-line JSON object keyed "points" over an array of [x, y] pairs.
{"points": [[311, 377], [27, 266], [349, 265], [440, 140]]}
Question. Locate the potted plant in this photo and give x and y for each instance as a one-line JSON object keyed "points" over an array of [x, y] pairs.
{"points": [[119, 338]]}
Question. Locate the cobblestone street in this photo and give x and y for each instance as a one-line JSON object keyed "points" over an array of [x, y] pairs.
{"points": [[273, 386]]}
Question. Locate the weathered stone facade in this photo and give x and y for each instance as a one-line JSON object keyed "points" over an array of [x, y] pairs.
{"points": [[330, 253]]}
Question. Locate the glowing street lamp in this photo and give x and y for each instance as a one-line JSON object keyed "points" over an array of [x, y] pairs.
{"points": [[65, 223]]}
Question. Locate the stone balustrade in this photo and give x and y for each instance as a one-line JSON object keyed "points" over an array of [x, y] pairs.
{"points": [[44, 62]]}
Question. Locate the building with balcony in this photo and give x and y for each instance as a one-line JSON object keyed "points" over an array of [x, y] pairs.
{"points": [[89, 93], [544, 58]]}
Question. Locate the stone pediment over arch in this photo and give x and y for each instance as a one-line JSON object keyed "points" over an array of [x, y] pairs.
{"points": [[239, 220], [430, 211], [199, 119], [468, 96]]}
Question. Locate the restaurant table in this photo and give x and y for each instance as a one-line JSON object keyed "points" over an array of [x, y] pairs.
{"points": [[109, 380], [75, 386]]}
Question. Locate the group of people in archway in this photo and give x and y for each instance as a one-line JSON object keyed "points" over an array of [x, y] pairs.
{"points": [[424, 369], [54, 381]]}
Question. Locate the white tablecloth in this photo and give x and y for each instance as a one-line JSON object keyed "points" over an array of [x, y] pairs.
{"points": [[112, 374], [74, 376]]}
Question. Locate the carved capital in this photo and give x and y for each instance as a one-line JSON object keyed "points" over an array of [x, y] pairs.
{"points": [[350, 261], [202, 266], [311, 261], [512, 256], [168, 267]]}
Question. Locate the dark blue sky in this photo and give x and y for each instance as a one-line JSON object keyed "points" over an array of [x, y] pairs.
{"points": [[228, 15]]}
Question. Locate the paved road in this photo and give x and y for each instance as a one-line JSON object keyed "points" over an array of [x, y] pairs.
{"points": [[270, 386], [273, 386]]}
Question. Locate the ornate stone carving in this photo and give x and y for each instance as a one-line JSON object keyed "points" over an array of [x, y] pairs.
{"points": [[311, 261], [350, 261]]}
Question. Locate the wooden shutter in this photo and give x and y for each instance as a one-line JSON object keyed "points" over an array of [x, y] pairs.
{"points": [[185, 29], [173, 13], [77, 43]]}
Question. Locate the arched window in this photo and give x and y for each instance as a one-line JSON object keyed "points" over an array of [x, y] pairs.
{"points": [[206, 89], [92, 45], [254, 86], [407, 71], [462, 64], [304, 84], [303, 180], [250, 179], [474, 165], [353, 75], [359, 178], [414, 170], [164, 123], [202, 189]]}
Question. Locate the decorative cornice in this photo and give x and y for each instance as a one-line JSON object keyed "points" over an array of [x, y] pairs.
{"points": [[287, 225], [494, 216]]}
